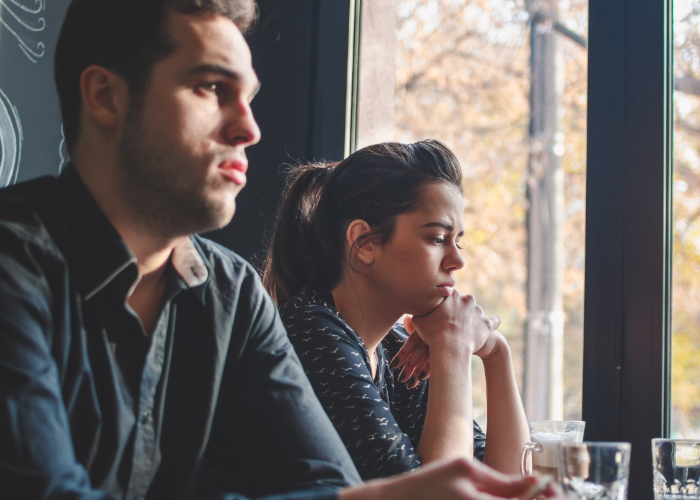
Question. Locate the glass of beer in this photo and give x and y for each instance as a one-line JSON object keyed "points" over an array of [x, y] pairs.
{"points": [[541, 454]]}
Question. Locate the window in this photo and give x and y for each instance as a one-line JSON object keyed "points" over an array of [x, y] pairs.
{"points": [[685, 390], [627, 191], [461, 71]]}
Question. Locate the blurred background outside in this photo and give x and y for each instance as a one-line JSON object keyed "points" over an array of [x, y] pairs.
{"points": [[685, 390], [503, 84]]}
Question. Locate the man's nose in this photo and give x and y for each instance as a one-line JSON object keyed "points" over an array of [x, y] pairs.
{"points": [[241, 129]]}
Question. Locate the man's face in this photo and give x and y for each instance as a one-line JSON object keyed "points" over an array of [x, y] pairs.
{"points": [[182, 153]]}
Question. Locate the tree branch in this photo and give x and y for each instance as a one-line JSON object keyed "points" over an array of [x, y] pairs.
{"points": [[687, 84]]}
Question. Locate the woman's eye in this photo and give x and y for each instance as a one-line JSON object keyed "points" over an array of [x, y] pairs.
{"points": [[458, 245], [439, 241]]}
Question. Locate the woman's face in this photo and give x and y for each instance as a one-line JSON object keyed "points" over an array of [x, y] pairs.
{"points": [[414, 270]]}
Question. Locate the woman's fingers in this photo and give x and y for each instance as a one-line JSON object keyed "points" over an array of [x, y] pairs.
{"points": [[492, 345], [494, 322], [408, 347], [408, 324], [418, 353], [421, 370], [413, 357]]}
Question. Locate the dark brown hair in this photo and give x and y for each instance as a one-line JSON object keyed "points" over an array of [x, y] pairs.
{"points": [[125, 36], [375, 184]]}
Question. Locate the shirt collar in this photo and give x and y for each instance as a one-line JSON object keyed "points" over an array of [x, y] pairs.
{"points": [[99, 254], [187, 259]]}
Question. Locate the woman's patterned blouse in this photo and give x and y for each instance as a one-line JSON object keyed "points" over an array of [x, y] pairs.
{"points": [[380, 421]]}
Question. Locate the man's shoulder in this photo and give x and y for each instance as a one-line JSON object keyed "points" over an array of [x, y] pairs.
{"points": [[33, 196], [229, 269], [28, 210], [32, 190]]}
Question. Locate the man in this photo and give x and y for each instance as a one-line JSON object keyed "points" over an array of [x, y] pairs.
{"points": [[136, 360]]}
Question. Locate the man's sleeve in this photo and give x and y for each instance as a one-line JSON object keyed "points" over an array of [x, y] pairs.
{"points": [[37, 460], [270, 435]]}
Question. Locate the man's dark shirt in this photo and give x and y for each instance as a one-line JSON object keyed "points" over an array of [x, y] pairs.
{"points": [[93, 407]]}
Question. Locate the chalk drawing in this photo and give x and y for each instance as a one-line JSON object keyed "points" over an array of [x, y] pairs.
{"points": [[62, 150], [33, 25], [10, 141]]}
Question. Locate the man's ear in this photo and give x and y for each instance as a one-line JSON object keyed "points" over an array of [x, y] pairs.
{"points": [[105, 96], [360, 248]]}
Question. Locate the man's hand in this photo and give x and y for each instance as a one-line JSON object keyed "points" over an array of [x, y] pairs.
{"points": [[453, 480]]}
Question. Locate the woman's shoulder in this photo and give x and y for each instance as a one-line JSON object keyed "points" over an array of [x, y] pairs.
{"points": [[309, 302], [312, 313]]}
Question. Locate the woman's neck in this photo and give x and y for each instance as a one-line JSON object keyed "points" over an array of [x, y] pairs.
{"points": [[363, 310]]}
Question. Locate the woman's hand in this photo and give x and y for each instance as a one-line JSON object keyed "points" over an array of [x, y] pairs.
{"points": [[494, 345], [458, 323], [414, 356]]}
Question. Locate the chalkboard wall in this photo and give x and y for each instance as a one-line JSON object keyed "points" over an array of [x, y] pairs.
{"points": [[299, 52], [31, 142]]}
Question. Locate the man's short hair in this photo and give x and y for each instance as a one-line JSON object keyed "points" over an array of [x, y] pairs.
{"points": [[125, 36]]}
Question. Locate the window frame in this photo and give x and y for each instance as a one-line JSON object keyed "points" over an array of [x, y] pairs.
{"points": [[629, 214]]}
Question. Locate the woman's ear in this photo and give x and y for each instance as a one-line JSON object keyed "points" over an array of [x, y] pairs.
{"points": [[360, 248]]}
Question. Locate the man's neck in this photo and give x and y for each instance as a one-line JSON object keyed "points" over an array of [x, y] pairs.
{"points": [[100, 172], [152, 251], [152, 259]]}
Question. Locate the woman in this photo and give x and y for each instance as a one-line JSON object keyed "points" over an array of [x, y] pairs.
{"points": [[358, 245]]}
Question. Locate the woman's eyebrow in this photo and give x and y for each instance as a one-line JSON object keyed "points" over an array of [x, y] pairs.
{"points": [[444, 225]]}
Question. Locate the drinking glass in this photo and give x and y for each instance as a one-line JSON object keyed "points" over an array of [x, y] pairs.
{"points": [[595, 471], [540, 454], [676, 469]]}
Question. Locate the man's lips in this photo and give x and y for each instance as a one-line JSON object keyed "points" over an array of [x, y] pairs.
{"points": [[234, 171]]}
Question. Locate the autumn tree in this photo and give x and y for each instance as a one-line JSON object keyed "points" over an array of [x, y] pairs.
{"points": [[463, 76], [686, 229]]}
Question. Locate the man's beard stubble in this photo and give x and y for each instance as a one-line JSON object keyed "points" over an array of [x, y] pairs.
{"points": [[157, 184]]}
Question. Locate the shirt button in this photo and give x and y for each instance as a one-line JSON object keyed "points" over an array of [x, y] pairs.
{"points": [[144, 417]]}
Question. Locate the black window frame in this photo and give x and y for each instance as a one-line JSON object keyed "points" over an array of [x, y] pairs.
{"points": [[629, 214]]}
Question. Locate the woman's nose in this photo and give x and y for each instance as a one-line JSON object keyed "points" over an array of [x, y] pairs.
{"points": [[454, 260]]}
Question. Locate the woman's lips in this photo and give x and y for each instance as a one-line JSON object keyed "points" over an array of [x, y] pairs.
{"points": [[448, 288], [234, 171]]}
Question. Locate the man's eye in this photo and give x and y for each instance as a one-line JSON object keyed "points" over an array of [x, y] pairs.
{"points": [[209, 87]]}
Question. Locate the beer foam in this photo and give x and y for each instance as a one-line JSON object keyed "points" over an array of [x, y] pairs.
{"points": [[550, 442]]}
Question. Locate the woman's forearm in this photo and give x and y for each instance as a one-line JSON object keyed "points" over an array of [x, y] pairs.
{"points": [[507, 430], [448, 431]]}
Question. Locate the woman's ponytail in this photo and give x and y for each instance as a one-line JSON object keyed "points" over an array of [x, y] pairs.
{"points": [[293, 253]]}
